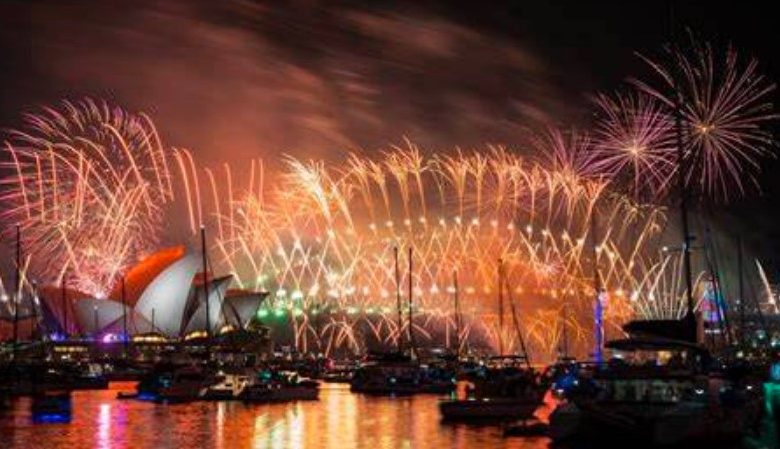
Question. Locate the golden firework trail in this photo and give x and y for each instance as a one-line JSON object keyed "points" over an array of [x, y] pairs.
{"points": [[88, 185]]}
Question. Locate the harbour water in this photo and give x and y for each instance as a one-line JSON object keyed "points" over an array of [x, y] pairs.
{"points": [[339, 420]]}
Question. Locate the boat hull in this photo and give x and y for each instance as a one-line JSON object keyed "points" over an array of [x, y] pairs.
{"points": [[662, 425], [280, 395], [497, 409]]}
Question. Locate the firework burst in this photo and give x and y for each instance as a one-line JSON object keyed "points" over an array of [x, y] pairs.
{"points": [[635, 143], [321, 238], [87, 189], [725, 107]]}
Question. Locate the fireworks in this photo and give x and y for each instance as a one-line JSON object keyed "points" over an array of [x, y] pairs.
{"points": [[87, 189], [322, 238], [90, 185], [724, 106], [635, 142]]}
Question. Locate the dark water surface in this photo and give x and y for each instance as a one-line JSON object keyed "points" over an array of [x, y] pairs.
{"points": [[339, 420]]}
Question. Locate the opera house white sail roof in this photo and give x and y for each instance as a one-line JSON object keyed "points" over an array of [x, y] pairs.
{"points": [[168, 297]]}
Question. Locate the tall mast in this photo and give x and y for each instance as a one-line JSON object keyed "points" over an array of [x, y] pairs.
{"points": [[742, 320], [64, 307], [95, 322], [17, 288], [411, 320], [710, 257], [565, 336], [457, 311], [516, 324], [33, 304], [681, 173], [398, 305], [205, 284], [125, 337], [598, 310], [500, 307]]}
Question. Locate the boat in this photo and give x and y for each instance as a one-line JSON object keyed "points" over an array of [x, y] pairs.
{"points": [[338, 372], [122, 395], [564, 376], [121, 371], [51, 406], [227, 387], [184, 385], [150, 384], [88, 376], [280, 386], [507, 389], [438, 377], [391, 374], [25, 379], [658, 391]]}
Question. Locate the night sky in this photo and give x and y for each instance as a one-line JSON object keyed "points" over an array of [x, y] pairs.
{"points": [[308, 79]]}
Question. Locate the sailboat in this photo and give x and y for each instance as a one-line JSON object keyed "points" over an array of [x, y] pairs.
{"points": [[400, 373], [394, 373], [508, 388]]}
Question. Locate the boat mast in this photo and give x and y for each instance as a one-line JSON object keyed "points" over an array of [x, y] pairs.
{"points": [[398, 305], [457, 312], [742, 320], [412, 345], [206, 286], [598, 310], [516, 324], [690, 318], [500, 307], [17, 289], [565, 336], [64, 307], [35, 330], [95, 322], [125, 338]]}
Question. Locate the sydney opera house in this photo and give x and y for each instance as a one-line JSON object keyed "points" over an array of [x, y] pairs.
{"points": [[164, 294]]}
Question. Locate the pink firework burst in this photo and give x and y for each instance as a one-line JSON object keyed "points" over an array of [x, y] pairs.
{"points": [[635, 141], [725, 107]]}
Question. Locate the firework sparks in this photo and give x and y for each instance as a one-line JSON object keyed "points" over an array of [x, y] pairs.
{"points": [[635, 141], [88, 186], [321, 238], [724, 103]]}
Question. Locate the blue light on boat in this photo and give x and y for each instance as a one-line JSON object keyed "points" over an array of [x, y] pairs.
{"points": [[51, 418]]}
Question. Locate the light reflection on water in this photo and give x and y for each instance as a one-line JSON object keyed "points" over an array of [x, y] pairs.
{"points": [[339, 420]]}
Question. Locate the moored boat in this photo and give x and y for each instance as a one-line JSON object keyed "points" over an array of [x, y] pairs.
{"points": [[389, 374], [280, 386], [338, 372], [658, 391], [505, 390], [227, 386], [184, 385], [51, 406]]}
